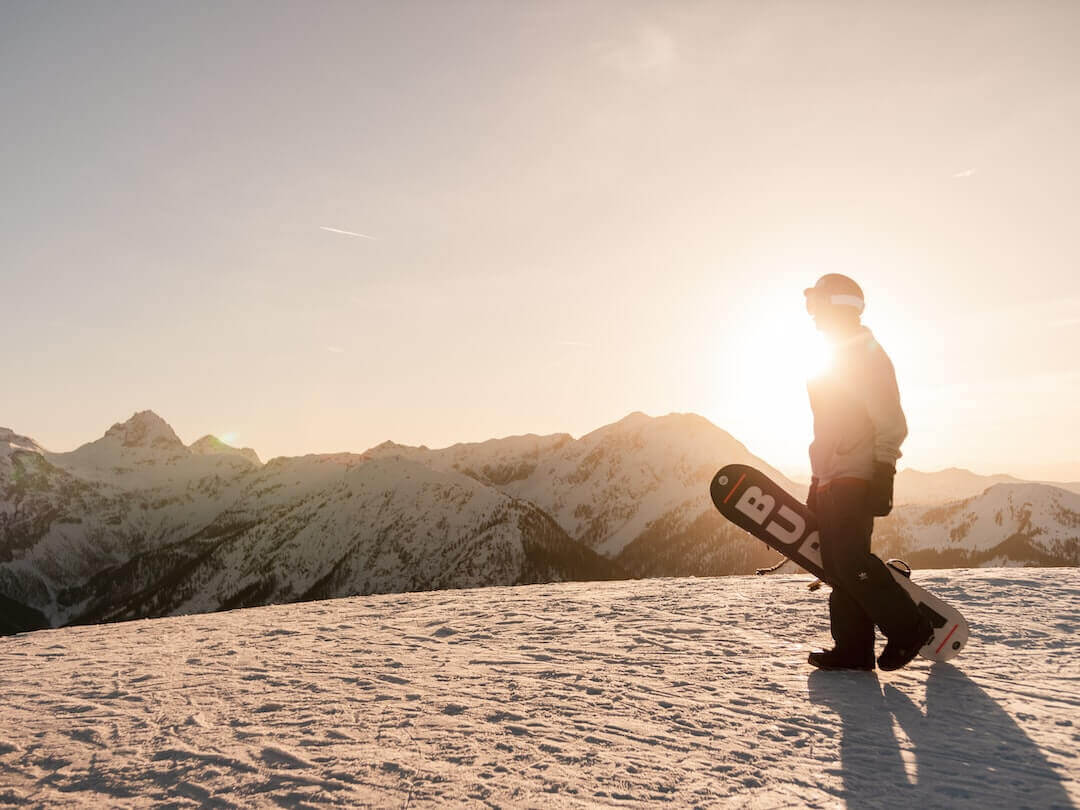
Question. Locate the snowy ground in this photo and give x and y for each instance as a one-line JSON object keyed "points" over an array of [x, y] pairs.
{"points": [[660, 692]]}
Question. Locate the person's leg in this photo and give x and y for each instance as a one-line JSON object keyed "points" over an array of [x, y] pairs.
{"points": [[845, 528], [852, 629]]}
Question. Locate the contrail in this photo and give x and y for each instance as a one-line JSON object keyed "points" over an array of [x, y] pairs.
{"points": [[346, 233]]}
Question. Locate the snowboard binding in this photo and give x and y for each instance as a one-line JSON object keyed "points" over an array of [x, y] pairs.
{"points": [[900, 566]]}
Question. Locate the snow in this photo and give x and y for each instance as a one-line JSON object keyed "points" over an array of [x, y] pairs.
{"points": [[144, 452], [1049, 514], [10, 442], [606, 488], [670, 692], [134, 490], [145, 429], [136, 523], [212, 445], [324, 518]]}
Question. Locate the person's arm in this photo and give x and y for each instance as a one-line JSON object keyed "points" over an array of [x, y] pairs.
{"points": [[882, 400]]}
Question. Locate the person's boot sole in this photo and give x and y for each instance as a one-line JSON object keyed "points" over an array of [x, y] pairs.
{"points": [[835, 668]]}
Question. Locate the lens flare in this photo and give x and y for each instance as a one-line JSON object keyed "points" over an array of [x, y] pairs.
{"points": [[816, 356]]}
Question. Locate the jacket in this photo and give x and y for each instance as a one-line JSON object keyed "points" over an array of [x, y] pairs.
{"points": [[857, 415]]}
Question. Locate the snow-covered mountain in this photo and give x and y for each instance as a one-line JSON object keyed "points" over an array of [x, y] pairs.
{"points": [[66, 517], [10, 441], [954, 484], [212, 445], [137, 523], [144, 452], [636, 488], [322, 526], [1008, 524]]}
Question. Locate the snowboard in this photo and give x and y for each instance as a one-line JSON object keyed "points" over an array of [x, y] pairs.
{"points": [[754, 502]]}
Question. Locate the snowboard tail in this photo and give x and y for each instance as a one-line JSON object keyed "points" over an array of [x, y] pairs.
{"points": [[754, 502]]}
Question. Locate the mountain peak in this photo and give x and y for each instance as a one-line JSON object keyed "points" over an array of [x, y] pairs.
{"points": [[688, 421], [145, 429], [213, 446], [11, 441]]}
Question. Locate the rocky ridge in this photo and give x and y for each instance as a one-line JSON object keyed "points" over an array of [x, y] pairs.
{"points": [[138, 524]]}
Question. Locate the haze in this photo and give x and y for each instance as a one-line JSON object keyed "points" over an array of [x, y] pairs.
{"points": [[313, 227]]}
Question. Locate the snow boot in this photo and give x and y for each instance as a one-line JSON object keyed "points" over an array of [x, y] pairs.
{"points": [[839, 659], [904, 647]]}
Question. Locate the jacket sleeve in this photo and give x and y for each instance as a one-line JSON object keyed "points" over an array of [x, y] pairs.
{"points": [[881, 396]]}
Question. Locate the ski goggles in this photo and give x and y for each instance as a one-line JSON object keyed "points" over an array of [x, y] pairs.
{"points": [[817, 299]]}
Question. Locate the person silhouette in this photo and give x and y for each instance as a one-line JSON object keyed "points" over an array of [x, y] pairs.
{"points": [[858, 429]]}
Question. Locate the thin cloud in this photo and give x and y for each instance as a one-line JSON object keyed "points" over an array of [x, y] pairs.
{"points": [[345, 233], [1066, 322], [573, 343], [963, 174], [335, 349]]}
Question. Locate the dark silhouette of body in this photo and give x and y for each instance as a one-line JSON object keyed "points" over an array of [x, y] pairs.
{"points": [[858, 428]]}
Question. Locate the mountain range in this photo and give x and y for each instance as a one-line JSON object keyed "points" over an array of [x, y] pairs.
{"points": [[139, 524], [954, 484]]}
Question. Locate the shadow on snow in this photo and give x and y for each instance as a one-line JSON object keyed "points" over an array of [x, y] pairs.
{"points": [[966, 747]]}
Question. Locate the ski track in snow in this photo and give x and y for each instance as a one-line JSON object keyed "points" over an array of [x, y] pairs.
{"points": [[664, 692]]}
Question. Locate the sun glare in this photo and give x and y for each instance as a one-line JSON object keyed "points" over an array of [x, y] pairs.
{"points": [[772, 350], [815, 355], [761, 398]]}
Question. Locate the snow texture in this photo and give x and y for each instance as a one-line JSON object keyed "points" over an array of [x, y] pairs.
{"points": [[664, 692]]}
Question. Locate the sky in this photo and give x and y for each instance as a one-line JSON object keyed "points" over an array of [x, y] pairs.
{"points": [[312, 227]]}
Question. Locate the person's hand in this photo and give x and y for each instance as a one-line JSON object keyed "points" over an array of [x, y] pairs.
{"points": [[811, 496], [880, 495]]}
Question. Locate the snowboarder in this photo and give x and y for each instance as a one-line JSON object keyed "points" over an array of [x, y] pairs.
{"points": [[858, 428]]}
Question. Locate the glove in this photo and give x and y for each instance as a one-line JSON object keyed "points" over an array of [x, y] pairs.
{"points": [[811, 496], [879, 496]]}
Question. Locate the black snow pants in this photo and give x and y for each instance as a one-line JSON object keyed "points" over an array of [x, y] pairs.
{"points": [[864, 593]]}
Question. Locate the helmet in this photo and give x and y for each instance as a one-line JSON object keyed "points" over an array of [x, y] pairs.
{"points": [[835, 290]]}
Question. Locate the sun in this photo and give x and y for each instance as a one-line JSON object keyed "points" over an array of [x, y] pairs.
{"points": [[815, 355], [796, 353], [766, 347], [761, 393]]}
